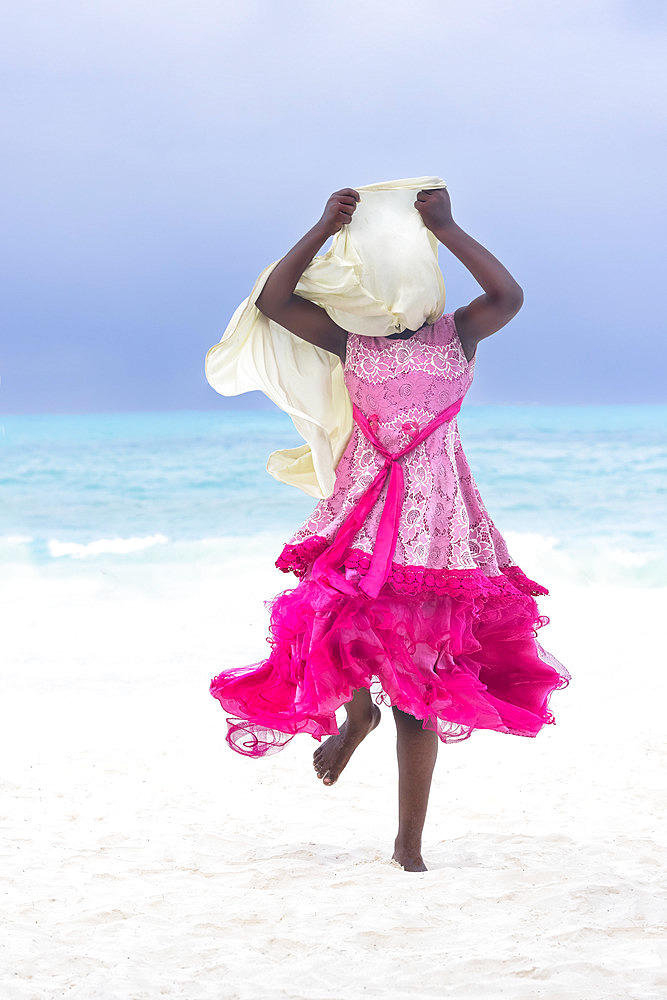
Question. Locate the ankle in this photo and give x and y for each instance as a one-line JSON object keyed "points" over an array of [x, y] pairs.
{"points": [[408, 844], [362, 717]]}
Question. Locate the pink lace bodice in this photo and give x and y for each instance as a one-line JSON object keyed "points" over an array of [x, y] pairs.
{"points": [[401, 385]]}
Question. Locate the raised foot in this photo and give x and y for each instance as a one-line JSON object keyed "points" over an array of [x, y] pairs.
{"points": [[409, 860], [330, 758]]}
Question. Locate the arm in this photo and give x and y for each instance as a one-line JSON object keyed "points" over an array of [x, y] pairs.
{"points": [[277, 300], [502, 297]]}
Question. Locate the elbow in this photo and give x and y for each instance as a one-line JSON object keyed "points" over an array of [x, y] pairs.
{"points": [[516, 297], [272, 309], [263, 306], [506, 302], [512, 300], [267, 307]]}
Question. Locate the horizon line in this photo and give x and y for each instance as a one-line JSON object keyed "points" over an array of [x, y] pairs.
{"points": [[276, 410]]}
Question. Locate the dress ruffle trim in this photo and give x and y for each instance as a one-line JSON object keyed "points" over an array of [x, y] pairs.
{"points": [[413, 580], [463, 660]]}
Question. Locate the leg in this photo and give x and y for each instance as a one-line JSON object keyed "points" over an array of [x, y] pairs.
{"points": [[417, 749], [362, 717]]}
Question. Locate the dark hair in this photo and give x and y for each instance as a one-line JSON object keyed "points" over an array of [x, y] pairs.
{"points": [[406, 334]]}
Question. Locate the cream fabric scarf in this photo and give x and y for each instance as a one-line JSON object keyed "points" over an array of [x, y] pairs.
{"points": [[381, 276]]}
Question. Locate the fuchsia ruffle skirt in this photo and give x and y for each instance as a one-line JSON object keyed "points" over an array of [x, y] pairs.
{"points": [[454, 648]]}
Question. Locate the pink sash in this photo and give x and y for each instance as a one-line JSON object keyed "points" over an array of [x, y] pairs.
{"points": [[324, 568]]}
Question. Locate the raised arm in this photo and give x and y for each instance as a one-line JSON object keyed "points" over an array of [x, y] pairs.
{"points": [[503, 296], [277, 299]]}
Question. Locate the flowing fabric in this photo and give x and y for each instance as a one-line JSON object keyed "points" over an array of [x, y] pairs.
{"points": [[381, 276], [461, 661]]}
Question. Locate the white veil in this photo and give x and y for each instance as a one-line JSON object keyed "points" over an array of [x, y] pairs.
{"points": [[381, 276]]}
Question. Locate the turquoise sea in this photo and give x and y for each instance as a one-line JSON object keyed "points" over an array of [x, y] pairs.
{"points": [[582, 487]]}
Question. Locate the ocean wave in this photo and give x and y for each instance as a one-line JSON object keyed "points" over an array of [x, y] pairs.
{"points": [[595, 560], [550, 560], [103, 546]]}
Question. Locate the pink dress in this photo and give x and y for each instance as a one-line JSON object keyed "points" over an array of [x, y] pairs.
{"points": [[405, 585]]}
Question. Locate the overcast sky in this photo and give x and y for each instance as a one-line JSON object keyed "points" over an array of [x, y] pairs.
{"points": [[158, 155]]}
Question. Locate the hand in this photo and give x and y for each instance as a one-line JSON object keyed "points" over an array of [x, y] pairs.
{"points": [[338, 211], [435, 209]]}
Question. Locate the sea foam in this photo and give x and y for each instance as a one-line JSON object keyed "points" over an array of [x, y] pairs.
{"points": [[546, 558], [104, 546]]}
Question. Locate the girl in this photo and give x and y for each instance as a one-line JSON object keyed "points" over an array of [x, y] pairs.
{"points": [[403, 577]]}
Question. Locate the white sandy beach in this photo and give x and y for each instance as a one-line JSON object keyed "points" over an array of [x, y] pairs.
{"points": [[142, 858]]}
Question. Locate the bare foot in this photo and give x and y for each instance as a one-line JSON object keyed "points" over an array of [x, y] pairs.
{"points": [[330, 758], [409, 860]]}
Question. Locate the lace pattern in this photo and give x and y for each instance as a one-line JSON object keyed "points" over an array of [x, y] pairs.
{"points": [[401, 385], [413, 357], [412, 580]]}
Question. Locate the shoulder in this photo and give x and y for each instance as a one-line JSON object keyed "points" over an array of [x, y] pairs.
{"points": [[468, 345], [353, 342], [486, 315], [444, 330], [446, 334]]}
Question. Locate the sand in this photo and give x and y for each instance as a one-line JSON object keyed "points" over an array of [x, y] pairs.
{"points": [[142, 858]]}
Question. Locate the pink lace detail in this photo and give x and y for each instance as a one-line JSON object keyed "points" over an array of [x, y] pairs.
{"points": [[462, 583], [297, 558], [522, 582], [411, 357]]}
